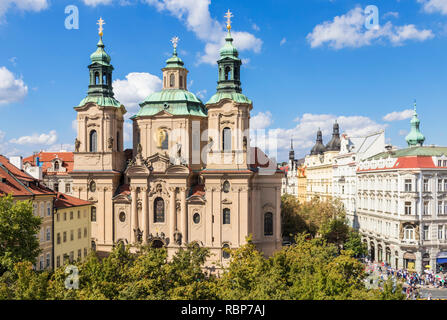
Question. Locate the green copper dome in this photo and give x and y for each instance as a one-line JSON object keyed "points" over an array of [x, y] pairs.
{"points": [[415, 137], [229, 50], [174, 61], [235, 96], [100, 56], [173, 101]]}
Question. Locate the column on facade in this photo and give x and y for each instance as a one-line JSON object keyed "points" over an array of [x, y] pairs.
{"points": [[134, 213], [278, 217], [184, 215], [172, 216], [145, 216]]}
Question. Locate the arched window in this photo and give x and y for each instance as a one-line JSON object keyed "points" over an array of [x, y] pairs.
{"points": [[93, 141], [226, 216], [227, 73], [409, 233], [225, 251], [118, 141], [93, 214], [104, 79], [165, 143], [226, 139], [93, 245], [96, 78], [92, 186], [268, 224], [56, 166], [181, 82], [172, 80], [159, 210]]}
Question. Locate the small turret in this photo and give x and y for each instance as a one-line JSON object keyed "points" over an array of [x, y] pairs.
{"points": [[415, 138], [335, 143], [319, 147]]}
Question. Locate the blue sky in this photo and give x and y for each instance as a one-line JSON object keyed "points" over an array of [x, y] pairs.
{"points": [[306, 64]]}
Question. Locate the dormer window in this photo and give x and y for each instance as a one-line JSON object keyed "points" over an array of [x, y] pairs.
{"points": [[56, 166]]}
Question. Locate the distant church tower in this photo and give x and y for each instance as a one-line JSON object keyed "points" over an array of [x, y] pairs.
{"points": [[99, 156], [415, 138]]}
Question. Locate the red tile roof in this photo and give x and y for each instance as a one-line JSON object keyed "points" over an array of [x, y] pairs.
{"points": [[414, 162], [19, 183], [198, 190], [46, 159], [124, 189], [66, 201]]}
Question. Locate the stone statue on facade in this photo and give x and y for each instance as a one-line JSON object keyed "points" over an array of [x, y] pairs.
{"points": [[138, 235], [110, 143], [177, 237], [77, 144]]}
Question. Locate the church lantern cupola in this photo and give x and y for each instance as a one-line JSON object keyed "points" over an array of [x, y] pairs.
{"points": [[174, 73], [415, 138], [229, 64], [100, 70]]}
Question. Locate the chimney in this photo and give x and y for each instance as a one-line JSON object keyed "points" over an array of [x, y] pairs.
{"points": [[17, 161]]}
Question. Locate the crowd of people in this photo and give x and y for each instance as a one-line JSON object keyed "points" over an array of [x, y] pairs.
{"points": [[413, 281]]}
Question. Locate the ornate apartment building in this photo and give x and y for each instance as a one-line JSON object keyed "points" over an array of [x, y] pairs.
{"points": [[344, 183], [191, 176], [402, 204]]}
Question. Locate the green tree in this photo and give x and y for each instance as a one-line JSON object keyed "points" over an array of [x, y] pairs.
{"points": [[355, 244], [18, 229]]}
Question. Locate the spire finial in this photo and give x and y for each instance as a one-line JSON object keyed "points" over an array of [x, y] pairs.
{"points": [[175, 41], [414, 105], [229, 15], [101, 29]]}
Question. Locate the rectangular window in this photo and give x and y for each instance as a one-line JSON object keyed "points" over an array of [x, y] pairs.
{"points": [[85, 252], [57, 217], [71, 235], [440, 206], [41, 263], [440, 232], [79, 254], [439, 185], [426, 208], [426, 188], [408, 208], [439, 163], [58, 261], [79, 214], [71, 215], [48, 234], [65, 236], [71, 256], [48, 262], [408, 185], [48, 209], [445, 208], [85, 232], [79, 233], [444, 163], [445, 185], [65, 216], [58, 238], [426, 232], [67, 188]]}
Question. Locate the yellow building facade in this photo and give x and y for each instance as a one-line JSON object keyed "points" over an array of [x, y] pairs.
{"points": [[72, 240]]}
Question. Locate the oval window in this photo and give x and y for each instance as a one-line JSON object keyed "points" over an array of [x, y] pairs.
{"points": [[92, 186], [226, 187], [122, 216], [196, 218], [225, 251]]}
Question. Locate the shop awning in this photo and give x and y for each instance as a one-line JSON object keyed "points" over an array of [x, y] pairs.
{"points": [[442, 255], [441, 260], [409, 256]]}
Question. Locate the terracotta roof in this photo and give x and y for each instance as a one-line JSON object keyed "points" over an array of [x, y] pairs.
{"points": [[198, 190], [417, 162], [66, 201], [19, 183], [46, 159], [123, 189]]}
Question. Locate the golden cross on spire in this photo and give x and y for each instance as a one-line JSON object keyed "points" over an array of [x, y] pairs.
{"points": [[229, 15], [175, 41], [101, 23]]}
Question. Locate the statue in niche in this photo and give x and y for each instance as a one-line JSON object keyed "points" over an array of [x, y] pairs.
{"points": [[110, 143], [211, 144], [177, 237], [244, 143], [77, 144], [139, 148], [138, 235]]}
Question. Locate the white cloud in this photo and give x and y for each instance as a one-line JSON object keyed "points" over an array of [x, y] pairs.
{"points": [[94, 3], [60, 147], [398, 115], [37, 139], [403, 132], [261, 121], [128, 131], [196, 15], [135, 88], [349, 31], [432, 6], [201, 94], [255, 27], [23, 5], [391, 14], [11, 89], [283, 41]]}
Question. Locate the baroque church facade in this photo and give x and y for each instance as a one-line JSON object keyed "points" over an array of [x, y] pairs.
{"points": [[191, 176]]}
